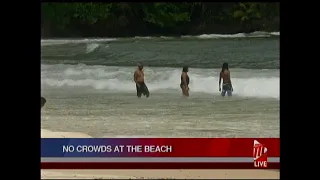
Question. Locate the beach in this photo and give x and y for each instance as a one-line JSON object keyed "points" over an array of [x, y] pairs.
{"points": [[159, 174], [89, 88]]}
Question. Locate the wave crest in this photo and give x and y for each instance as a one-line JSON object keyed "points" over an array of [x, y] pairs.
{"points": [[48, 42], [245, 83]]}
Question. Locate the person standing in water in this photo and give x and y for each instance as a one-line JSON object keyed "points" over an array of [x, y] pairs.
{"points": [[138, 77], [184, 85], [227, 85]]}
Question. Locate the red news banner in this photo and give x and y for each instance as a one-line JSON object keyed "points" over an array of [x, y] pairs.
{"points": [[163, 153]]}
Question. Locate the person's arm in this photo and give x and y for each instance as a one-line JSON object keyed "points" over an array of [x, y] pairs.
{"points": [[135, 76], [142, 75], [220, 82], [230, 80]]}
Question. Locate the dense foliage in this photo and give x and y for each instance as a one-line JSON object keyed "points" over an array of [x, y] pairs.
{"points": [[147, 19]]}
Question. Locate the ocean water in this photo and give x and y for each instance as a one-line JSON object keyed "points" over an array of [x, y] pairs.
{"points": [[88, 84]]}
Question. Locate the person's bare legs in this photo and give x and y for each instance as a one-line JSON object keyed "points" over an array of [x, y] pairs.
{"points": [[185, 92]]}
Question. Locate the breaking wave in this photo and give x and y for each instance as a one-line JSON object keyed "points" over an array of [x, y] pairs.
{"points": [[47, 42], [247, 83]]}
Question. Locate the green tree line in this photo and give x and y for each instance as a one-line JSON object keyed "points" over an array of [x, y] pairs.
{"points": [[152, 19]]}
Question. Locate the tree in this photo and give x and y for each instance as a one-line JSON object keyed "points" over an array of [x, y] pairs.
{"points": [[247, 12], [166, 14]]}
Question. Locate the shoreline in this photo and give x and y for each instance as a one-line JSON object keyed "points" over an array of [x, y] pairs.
{"points": [[45, 133], [274, 33], [154, 174], [160, 174]]}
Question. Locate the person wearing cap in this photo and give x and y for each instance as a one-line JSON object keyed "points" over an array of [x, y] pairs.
{"points": [[141, 86]]}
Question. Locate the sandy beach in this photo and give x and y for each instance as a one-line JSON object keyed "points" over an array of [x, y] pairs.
{"points": [[155, 174], [51, 134]]}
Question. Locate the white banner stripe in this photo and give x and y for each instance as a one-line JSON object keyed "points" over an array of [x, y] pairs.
{"points": [[153, 159]]}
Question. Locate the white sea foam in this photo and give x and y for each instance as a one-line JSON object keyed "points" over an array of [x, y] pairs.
{"points": [[247, 83], [46, 42]]}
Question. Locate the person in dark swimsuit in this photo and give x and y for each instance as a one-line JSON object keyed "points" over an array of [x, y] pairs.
{"points": [[184, 85], [141, 87], [226, 84]]}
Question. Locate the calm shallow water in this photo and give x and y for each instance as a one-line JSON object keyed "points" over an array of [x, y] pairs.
{"points": [[163, 114]]}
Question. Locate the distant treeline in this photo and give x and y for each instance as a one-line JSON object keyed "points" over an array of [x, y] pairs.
{"points": [[154, 19]]}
